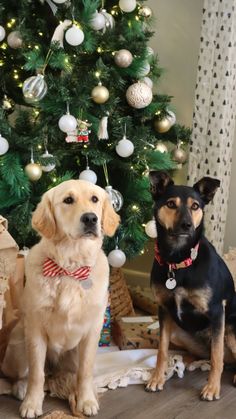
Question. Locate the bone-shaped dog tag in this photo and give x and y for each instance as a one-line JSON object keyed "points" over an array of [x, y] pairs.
{"points": [[171, 281]]}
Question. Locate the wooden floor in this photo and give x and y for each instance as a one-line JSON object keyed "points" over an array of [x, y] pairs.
{"points": [[179, 400]]}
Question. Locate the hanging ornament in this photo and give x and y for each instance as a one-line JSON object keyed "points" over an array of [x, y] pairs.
{"points": [[102, 128], [148, 81], [151, 229], [4, 145], [71, 137], [67, 123], [59, 1], [83, 131], [88, 175], [74, 36], [109, 20], [127, 5], [115, 197], [116, 258], [115, 10], [58, 34], [171, 116], [2, 33], [139, 95], [123, 58], [145, 11], [98, 21], [163, 124], [34, 88], [125, 147], [8, 105], [144, 70], [15, 40], [161, 147], [33, 170], [178, 154], [150, 51], [46, 166], [100, 94]]}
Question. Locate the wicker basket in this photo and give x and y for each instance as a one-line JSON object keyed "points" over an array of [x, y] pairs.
{"points": [[121, 303]]}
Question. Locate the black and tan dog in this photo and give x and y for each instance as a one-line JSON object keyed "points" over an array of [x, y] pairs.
{"points": [[194, 288]]}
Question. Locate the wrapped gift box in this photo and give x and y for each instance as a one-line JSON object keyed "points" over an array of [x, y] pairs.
{"points": [[139, 332], [8, 258]]}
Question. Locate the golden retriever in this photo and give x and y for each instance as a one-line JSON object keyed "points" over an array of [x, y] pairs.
{"points": [[63, 315]]}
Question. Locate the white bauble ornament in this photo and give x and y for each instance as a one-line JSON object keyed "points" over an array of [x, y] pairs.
{"points": [[67, 123], [148, 81], [98, 21], [74, 36], [139, 95], [150, 229], [127, 5], [115, 197], [50, 166], [125, 147], [171, 116], [145, 11], [100, 94], [33, 171], [34, 88], [4, 145], [123, 58], [2, 33], [145, 69], [15, 40], [88, 175], [59, 1], [161, 147], [116, 258]]}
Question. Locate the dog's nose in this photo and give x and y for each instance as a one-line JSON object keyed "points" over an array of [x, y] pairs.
{"points": [[186, 225], [89, 219]]}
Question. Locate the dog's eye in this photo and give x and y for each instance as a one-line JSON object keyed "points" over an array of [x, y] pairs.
{"points": [[171, 204], [195, 206], [69, 200], [94, 199]]}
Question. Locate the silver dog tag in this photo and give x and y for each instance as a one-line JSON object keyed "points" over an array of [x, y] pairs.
{"points": [[171, 281], [86, 283]]}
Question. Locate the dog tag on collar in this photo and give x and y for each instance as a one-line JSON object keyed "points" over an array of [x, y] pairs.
{"points": [[171, 281], [86, 283], [194, 253]]}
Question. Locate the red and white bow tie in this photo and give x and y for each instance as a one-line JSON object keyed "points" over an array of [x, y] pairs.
{"points": [[51, 268]]}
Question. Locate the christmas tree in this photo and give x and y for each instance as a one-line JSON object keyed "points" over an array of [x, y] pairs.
{"points": [[77, 102]]}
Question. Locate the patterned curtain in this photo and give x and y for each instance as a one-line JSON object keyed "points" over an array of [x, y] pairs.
{"points": [[214, 112]]}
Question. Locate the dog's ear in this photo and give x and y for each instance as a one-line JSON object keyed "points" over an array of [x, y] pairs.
{"points": [[207, 187], [159, 181], [43, 220], [111, 219]]}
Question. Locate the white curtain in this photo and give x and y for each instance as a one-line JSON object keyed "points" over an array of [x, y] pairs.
{"points": [[214, 112]]}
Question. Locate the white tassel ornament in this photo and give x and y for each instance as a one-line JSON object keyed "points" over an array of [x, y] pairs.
{"points": [[102, 129], [58, 34]]}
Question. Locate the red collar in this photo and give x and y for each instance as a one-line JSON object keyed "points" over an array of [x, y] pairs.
{"points": [[51, 268], [187, 262]]}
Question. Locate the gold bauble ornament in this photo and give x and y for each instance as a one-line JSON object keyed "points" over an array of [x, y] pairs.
{"points": [[179, 155], [100, 94], [162, 125], [145, 11], [33, 171], [161, 147]]}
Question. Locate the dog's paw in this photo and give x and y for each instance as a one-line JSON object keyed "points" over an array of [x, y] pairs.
{"points": [[210, 392], [88, 407], [19, 389], [155, 384], [31, 408]]}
